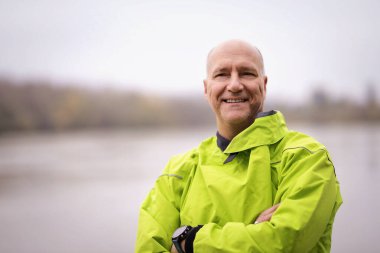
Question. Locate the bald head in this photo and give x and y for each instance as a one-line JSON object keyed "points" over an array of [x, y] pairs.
{"points": [[233, 47]]}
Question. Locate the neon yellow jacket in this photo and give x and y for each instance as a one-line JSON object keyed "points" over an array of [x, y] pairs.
{"points": [[273, 165]]}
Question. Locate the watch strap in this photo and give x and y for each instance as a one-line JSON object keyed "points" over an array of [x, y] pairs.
{"points": [[190, 239], [179, 238]]}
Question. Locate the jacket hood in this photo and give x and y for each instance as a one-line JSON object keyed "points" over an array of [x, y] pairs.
{"points": [[265, 130]]}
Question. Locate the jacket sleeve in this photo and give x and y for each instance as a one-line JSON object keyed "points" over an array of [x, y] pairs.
{"points": [[159, 213], [309, 197]]}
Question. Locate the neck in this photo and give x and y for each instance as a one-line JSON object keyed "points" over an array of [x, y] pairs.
{"points": [[230, 131]]}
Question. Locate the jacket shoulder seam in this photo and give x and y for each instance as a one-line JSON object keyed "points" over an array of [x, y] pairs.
{"points": [[171, 175], [301, 147]]}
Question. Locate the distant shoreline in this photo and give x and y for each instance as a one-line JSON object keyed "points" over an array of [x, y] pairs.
{"points": [[42, 107]]}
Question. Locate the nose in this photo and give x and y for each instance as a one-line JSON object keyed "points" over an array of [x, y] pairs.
{"points": [[235, 85]]}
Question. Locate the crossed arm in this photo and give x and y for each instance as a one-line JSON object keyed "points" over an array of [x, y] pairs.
{"points": [[264, 216], [301, 222]]}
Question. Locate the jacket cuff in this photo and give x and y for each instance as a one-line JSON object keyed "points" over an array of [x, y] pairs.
{"points": [[190, 239]]}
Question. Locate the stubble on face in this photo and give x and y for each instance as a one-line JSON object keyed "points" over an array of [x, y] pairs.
{"points": [[236, 85]]}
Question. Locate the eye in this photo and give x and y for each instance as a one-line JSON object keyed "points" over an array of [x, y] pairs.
{"points": [[249, 74], [220, 75]]}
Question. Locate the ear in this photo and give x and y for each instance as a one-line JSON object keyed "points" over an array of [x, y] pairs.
{"points": [[265, 83], [264, 91], [205, 87]]}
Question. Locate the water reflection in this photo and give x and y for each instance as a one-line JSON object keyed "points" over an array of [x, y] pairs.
{"points": [[373, 152], [80, 192]]}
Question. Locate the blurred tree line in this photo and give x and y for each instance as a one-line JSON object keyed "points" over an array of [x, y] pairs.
{"points": [[42, 106], [324, 107], [39, 105]]}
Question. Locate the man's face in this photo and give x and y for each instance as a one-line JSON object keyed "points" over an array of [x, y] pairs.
{"points": [[236, 85]]}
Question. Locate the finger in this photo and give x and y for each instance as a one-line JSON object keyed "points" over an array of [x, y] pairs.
{"points": [[270, 210], [267, 214], [263, 218], [173, 249]]}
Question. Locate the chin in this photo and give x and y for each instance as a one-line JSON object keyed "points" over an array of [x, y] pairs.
{"points": [[237, 119]]}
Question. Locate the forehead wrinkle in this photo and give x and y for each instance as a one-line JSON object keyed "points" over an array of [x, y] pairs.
{"points": [[240, 65], [243, 46]]}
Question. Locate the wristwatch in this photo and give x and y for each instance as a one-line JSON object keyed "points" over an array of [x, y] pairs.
{"points": [[179, 235]]}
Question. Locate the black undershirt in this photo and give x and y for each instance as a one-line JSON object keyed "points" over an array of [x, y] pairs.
{"points": [[223, 142]]}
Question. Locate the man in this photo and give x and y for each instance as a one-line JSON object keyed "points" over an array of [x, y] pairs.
{"points": [[255, 187]]}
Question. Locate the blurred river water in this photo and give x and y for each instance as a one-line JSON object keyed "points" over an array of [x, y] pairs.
{"points": [[81, 191]]}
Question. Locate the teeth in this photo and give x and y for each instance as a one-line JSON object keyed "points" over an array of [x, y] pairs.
{"points": [[234, 100]]}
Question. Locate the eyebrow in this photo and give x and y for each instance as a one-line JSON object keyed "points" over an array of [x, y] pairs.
{"points": [[242, 68], [221, 69], [253, 68]]}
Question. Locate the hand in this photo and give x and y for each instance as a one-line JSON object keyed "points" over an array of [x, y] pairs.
{"points": [[174, 250], [267, 214]]}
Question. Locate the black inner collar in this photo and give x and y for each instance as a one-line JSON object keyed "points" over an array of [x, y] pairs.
{"points": [[223, 142]]}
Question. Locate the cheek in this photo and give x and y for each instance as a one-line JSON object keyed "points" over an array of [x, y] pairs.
{"points": [[259, 90], [211, 97], [214, 92], [257, 95], [262, 90]]}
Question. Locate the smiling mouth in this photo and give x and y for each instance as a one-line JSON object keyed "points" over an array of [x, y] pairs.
{"points": [[230, 101]]}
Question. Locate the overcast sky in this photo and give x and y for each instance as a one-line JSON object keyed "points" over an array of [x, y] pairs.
{"points": [[161, 46]]}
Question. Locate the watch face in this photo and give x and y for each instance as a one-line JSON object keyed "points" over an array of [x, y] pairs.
{"points": [[179, 231]]}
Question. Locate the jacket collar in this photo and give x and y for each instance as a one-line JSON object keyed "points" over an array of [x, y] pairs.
{"points": [[268, 128]]}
